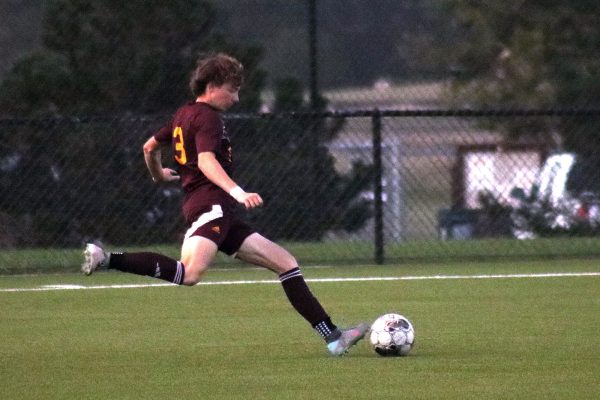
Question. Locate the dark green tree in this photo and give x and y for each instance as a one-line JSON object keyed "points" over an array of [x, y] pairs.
{"points": [[110, 56], [73, 179], [529, 54], [70, 178]]}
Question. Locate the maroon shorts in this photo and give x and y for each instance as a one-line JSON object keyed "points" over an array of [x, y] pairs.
{"points": [[218, 224]]}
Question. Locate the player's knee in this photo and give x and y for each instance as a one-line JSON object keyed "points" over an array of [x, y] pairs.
{"points": [[190, 282], [287, 263], [192, 276], [292, 262]]}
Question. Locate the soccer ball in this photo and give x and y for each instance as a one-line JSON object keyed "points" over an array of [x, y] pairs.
{"points": [[392, 335]]}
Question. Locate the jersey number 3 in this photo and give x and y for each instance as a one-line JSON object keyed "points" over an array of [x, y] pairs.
{"points": [[180, 155]]}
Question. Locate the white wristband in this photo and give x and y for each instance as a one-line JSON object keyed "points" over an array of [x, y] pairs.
{"points": [[236, 192]]}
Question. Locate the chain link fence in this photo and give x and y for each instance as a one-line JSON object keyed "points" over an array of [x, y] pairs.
{"points": [[365, 183], [361, 186]]}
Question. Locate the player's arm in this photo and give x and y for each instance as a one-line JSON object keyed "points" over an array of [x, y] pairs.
{"points": [[210, 167], [152, 157]]}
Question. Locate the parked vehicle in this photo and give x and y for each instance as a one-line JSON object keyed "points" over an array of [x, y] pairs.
{"points": [[564, 199]]}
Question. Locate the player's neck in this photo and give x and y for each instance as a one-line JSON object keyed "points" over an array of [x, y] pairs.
{"points": [[206, 100]]}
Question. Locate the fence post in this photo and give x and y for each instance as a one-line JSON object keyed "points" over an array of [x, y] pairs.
{"points": [[312, 47], [378, 188]]}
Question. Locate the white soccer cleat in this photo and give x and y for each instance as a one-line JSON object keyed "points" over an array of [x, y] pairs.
{"points": [[95, 258], [348, 339]]}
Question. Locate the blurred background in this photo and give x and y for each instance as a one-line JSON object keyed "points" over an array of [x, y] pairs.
{"points": [[375, 130]]}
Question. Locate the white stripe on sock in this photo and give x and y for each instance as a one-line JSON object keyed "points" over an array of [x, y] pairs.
{"points": [[178, 274], [294, 274]]}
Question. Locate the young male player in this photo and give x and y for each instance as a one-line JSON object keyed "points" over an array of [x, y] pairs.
{"points": [[202, 150]]}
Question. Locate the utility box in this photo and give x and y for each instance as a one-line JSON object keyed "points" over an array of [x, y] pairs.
{"points": [[457, 223]]}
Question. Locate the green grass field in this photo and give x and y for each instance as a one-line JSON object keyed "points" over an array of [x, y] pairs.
{"points": [[527, 337], [340, 252]]}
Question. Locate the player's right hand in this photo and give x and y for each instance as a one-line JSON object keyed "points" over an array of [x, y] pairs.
{"points": [[168, 175]]}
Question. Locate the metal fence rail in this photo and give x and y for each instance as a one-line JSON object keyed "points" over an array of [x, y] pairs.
{"points": [[368, 185]]}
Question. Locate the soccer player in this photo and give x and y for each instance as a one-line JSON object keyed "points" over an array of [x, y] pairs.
{"points": [[202, 151]]}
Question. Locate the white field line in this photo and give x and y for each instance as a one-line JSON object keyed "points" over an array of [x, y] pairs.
{"points": [[55, 287]]}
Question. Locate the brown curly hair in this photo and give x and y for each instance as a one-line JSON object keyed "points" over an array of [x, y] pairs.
{"points": [[218, 69]]}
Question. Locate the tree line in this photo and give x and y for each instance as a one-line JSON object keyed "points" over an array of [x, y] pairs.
{"points": [[109, 58], [112, 63]]}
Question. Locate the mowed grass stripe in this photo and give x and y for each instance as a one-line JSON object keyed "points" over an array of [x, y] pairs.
{"points": [[55, 287], [492, 338]]}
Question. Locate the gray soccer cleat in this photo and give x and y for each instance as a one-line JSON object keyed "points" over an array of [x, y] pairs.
{"points": [[95, 258], [348, 339]]}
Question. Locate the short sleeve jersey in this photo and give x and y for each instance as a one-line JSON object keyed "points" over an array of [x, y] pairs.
{"points": [[196, 128]]}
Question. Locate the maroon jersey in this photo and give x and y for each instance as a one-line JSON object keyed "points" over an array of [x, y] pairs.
{"points": [[197, 128]]}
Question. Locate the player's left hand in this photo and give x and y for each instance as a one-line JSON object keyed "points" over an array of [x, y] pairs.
{"points": [[250, 200]]}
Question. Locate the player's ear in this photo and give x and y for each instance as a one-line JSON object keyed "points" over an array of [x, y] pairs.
{"points": [[210, 87]]}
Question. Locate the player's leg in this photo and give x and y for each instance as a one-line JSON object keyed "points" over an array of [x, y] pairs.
{"points": [[197, 253], [140, 263], [258, 250]]}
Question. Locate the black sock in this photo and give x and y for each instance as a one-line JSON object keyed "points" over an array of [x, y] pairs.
{"points": [[328, 330], [149, 264], [307, 305]]}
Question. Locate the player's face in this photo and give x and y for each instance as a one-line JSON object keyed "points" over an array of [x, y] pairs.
{"points": [[224, 96]]}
